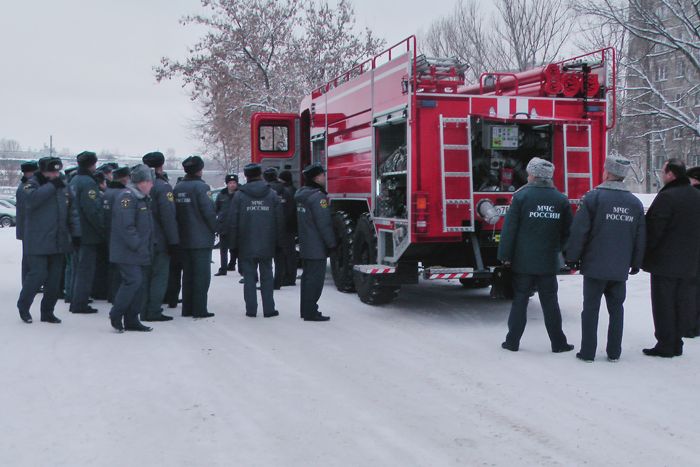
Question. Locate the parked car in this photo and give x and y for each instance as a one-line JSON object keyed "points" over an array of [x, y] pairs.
{"points": [[8, 214]]}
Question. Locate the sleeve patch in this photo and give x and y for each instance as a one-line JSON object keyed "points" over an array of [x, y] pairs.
{"points": [[126, 202], [170, 197], [27, 187], [92, 194], [324, 203]]}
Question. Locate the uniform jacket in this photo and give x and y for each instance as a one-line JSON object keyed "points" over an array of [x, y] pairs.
{"points": [[608, 235], [316, 234], [108, 200], [536, 229], [196, 218], [256, 222], [19, 197], [673, 231], [288, 206], [165, 228], [223, 203], [89, 204], [131, 239], [50, 218]]}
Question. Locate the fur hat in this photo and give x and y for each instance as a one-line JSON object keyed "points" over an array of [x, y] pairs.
{"points": [[193, 164], [252, 171], [154, 159], [121, 172], [312, 171], [693, 172], [540, 168], [49, 164], [29, 166], [617, 165], [142, 173], [86, 159], [231, 178], [270, 174]]}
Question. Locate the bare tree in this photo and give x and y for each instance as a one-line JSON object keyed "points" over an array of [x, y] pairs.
{"points": [[262, 55], [10, 145], [522, 34]]}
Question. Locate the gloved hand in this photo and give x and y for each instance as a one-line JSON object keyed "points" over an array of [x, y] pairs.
{"points": [[172, 249], [574, 265], [507, 264], [634, 271], [76, 242], [58, 183]]}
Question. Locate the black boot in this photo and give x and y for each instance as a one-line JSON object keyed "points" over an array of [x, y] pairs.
{"points": [[563, 348], [317, 317], [117, 324], [138, 327], [654, 352], [50, 319], [272, 314], [580, 356], [511, 347], [220, 272], [205, 315], [26, 317]]}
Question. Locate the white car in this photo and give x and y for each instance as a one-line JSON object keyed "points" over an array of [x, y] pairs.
{"points": [[8, 214]]}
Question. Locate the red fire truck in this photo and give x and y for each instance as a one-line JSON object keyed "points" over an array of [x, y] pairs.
{"points": [[421, 168]]}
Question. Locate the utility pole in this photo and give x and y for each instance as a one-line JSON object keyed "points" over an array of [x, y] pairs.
{"points": [[50, 145]]}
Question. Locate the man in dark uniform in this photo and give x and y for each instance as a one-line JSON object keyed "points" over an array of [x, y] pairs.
{"points": [[100, 284], [289, 244], [120, 178], [172, 293], [536, 230], [607, 239], [28, 169], [672, 258], [694, 324], [196, 221], [131, 249], [89, 204], [255, 224], [289, 210], [72, 257], [166, 239], [223, 201], [51, 229], [316, 239], [107, 169]]}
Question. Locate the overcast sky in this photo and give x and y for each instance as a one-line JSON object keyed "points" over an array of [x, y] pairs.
{"points": [[81, 70]]}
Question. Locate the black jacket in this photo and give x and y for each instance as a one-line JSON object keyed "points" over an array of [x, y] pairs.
{"points": [[88, 200], [255, 221], [196, 218], [536, 229], [50, 218], [316, 234], [108, 200], [131, 239], [673, 231], [223, 203], [19, 197], [165, 230], [608, 234]]}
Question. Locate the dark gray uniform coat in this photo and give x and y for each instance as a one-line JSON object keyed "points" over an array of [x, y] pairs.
{"points": [[196, 218], [108, 199], [608, 234], [536, 230], [256, 221], [163, 208], [89, 204], [131, 239], [316, 234], [19, 197]]}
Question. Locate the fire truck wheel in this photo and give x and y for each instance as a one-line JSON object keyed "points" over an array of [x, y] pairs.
{"points": [[475, 283], [369, 287], [341, 261]]}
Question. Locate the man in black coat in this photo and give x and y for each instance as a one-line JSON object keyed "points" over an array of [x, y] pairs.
{"points": [[289, 211], [607, 239], [223, 201], [51, 228], [120, 178], [290, 233], [255, 224], [166, 237], [316, 239], [694, 325], [196, 221], [536, 230], [131, 249], [672, 258], [100, 283], [86, 193], [28, 169]]}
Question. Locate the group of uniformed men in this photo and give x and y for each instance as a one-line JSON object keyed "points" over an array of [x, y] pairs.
{"points": [[609, 238], [125, 235]]}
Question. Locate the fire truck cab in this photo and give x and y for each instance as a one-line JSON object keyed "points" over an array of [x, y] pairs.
{"points": [[421, 168]]}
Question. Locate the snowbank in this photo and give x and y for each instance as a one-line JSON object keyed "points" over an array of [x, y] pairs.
{"points": [[420, 382]]}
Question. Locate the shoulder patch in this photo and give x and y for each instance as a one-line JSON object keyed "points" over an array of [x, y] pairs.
{"points": [[170, 197], [27, 186], [126, 202], [92, 194], [324, 203]]}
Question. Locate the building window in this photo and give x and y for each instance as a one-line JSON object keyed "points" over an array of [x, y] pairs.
{"points": [[680, 68], [678, 133], [697, 99], [659, 162], [693, 160], [661, 73]]}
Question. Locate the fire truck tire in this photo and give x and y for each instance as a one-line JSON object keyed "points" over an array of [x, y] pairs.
{"points": [[475, 283], [369, 287], [341, 260]]}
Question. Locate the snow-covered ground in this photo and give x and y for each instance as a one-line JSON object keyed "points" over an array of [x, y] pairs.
{"points": [[420, 382]]}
